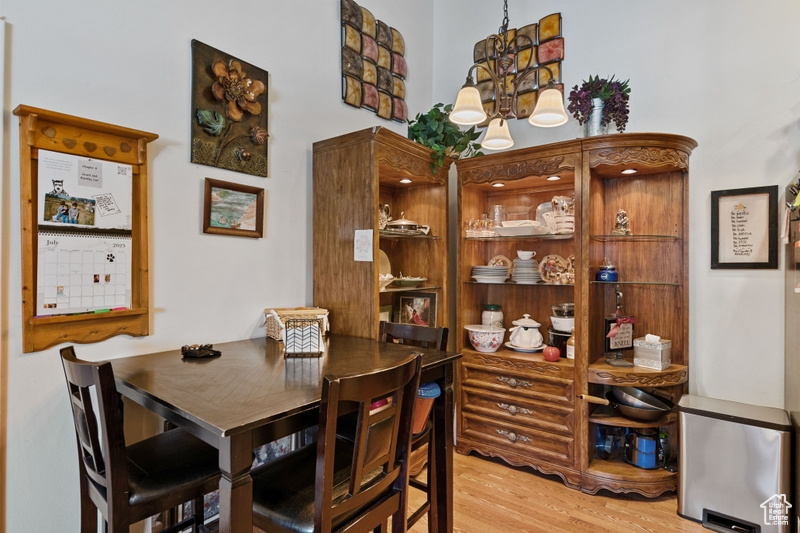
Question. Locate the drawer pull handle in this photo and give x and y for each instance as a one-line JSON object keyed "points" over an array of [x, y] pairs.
{"points": [[513, 383], [513, 437], [513, 409]]}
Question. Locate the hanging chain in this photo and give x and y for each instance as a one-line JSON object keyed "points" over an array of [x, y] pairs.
{"points": [[504, 28]]}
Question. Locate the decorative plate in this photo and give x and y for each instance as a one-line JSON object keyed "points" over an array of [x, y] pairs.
{"points": [[554, 269], [384, 266], [500, 260]]}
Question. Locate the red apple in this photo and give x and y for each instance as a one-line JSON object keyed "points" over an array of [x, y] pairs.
{"points": [[551, 353]]}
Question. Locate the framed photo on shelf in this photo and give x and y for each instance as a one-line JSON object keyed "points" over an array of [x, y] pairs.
{"points": [[417, 308], [233, 209], [744, 228]]}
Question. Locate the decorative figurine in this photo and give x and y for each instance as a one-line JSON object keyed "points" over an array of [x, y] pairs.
{"points": [[621, 227]]}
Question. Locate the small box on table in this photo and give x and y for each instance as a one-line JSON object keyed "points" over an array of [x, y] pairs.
{"points": [[651, 353]]}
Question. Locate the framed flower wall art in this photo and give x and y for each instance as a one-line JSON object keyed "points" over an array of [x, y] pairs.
{"points": [[229, 112], [373, 63]]}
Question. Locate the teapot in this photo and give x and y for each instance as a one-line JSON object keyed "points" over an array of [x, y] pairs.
{"points": [[525, 333]]}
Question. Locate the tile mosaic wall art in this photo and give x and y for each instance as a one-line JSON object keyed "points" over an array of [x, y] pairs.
{"points": [[373, 63], [229, 112], [546, 48]]}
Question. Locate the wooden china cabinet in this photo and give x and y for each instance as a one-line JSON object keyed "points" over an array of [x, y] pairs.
{"points": [[523, 409], [354, 174]]}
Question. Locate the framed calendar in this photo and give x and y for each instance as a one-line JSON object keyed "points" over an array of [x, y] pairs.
{"points": [[83, 187]]}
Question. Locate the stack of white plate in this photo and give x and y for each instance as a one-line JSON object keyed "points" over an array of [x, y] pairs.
{"points": [[490, 274], [526, 271]]}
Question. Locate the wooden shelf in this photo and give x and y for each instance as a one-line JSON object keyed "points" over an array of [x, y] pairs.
{"points": [[619, 470], [534, 357], [406, 289], [602, 373], [607, 416]]}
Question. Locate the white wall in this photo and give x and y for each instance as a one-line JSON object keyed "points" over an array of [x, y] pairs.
{"points": [[724, 72], [128, 63], [693, 68]]}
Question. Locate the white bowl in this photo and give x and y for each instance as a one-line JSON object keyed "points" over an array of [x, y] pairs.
{"points": [[485, 338], [563, 323], [525, 255]]}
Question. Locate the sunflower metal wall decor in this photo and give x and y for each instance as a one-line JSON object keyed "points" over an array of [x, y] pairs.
{"points": [[229, 112], [373, 63]]}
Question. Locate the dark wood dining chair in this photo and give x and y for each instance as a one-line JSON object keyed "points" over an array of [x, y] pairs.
{"points": [[340, 485], [427, 338], [130, 483]]}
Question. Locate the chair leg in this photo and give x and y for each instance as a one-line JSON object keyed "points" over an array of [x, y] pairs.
{"points": [[431, 485], [198, 513]]}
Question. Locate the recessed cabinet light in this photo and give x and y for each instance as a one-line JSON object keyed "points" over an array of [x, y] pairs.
{"points": [[629, 171], [405, 180], [553, 178], [498, 184]]}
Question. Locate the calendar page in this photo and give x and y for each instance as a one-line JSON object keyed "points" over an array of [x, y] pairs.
{"points": [[81, 273]]}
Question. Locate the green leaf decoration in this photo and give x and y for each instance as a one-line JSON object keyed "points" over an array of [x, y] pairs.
{"points": [[434, 130], [212, 122]]}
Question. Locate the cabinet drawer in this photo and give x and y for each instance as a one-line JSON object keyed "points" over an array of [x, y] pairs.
{"points": [[522, 384], [515, 410], [519, 439]]}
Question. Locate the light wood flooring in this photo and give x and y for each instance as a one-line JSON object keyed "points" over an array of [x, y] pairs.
{"points": [[490, 497]]}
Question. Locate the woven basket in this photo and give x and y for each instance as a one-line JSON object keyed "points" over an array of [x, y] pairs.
{"points": [[275, 326]]}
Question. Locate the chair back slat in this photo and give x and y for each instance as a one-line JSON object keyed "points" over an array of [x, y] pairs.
{"points": [[98, 422], [379, 464], [413, 335]]}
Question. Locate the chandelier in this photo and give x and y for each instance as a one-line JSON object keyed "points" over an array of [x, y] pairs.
{"points": [[468, 109]]}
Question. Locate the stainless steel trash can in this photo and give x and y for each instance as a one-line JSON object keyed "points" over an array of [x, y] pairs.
{"points": [[734, 465]]}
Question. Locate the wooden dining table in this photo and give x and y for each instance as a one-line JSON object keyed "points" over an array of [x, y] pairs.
{"points": [[252, 395]]}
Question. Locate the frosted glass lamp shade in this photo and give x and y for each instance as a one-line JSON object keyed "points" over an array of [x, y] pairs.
{"points": [[497, 135], [468, 109], [549, 111]]}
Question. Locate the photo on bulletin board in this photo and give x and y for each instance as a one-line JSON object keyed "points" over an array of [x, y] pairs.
{"points": [[744, 228], [418, 308], [233, 209]]}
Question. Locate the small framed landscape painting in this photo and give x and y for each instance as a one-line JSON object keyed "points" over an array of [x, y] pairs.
{"points": [[233, 209]]}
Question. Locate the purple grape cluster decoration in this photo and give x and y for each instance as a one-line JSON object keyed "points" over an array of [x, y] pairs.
{"points": [[614, 93]]}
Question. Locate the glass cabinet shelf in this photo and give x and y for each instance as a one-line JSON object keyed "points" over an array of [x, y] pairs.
{"points": [[673, 283], [633, 238], [543, 237]]}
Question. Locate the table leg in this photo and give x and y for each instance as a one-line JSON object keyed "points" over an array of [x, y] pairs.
{"points": [[442, 440], [236, 485]]}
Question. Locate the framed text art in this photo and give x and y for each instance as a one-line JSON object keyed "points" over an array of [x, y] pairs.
{"points": [[744, 228], [233, 209]]}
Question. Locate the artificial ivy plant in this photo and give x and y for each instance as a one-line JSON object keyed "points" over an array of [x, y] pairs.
{"points": [[434, 130]]}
